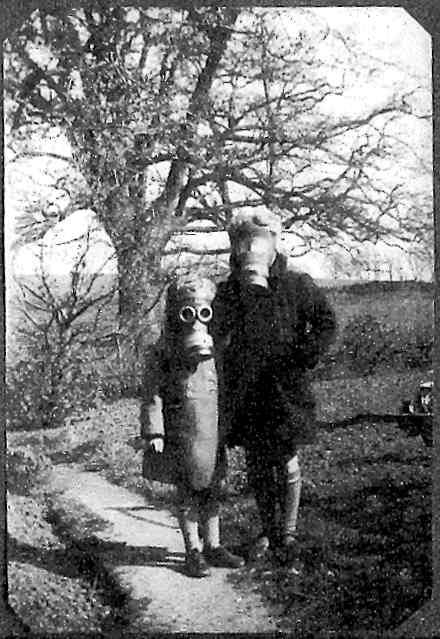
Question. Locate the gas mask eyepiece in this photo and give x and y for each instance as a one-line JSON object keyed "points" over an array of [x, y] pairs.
{"points": [[204, 314], [189, 311], [188, 314], [197, 341]]}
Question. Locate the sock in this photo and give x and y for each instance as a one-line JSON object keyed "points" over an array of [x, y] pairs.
{"points": [[210, 519], [212, 531], [188, 519], [291, 501]]}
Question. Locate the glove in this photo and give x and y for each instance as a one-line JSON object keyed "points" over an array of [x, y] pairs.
{"points": [[156, 445]]}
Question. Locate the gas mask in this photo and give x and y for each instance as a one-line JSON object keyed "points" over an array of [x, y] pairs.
{"points": [[194, 316], [189, 312], [253, 251]]}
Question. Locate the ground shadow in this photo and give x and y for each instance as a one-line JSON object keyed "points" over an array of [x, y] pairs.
{"points": [[128, 510], [364, 547], [79, 555]]}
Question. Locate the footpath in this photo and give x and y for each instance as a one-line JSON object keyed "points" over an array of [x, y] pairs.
{"points": [[143, 552]]}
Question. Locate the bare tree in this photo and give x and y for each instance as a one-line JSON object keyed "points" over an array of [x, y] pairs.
{"points": [[181, 115], [57, 328]]}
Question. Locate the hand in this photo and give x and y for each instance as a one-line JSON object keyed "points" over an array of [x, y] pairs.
{"points": [[156, 445]]}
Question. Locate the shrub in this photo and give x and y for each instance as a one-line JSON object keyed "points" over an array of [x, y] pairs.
{"points": [[417, 352], [45, 385], [368, 344], [365, 344], [26, 469], [236, 482], [122, 369]]}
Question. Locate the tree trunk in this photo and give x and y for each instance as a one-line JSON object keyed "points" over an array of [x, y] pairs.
{"points": [[127, 297], [140, 281]]}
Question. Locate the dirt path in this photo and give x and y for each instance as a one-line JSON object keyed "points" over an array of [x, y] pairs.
{"points": [[144, 551]]}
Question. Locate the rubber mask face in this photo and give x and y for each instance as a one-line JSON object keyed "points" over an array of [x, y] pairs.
{"points": [[254, 253], [194, 316]]}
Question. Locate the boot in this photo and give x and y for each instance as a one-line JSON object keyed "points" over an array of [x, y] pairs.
{"points": [[220, 557], [195, 564], [188, 515], [215, 554], [260, 550]]}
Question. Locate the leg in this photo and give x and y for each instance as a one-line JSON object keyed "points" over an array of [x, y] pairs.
{"points": [[289, 481], [262, 481], [188, 520], [216, 554], [292, 495], [210, 520], [188, 516]]}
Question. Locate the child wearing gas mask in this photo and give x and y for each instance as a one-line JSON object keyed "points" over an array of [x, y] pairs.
{"points": [[179, 416], [273, 324]]}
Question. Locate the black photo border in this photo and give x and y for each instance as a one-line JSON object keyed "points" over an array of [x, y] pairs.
{"points": [[427, 14]]}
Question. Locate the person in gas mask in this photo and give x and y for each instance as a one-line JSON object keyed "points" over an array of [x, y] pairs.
{"points": [[272, 324], [179, 417]]}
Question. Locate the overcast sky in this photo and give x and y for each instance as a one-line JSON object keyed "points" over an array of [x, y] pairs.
{"points": [[386, 33], [385, 30]]}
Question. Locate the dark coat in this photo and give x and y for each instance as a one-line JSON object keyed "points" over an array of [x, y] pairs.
{"points": [[267, 350]]}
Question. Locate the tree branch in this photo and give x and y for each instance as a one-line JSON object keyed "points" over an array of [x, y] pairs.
{"points": [[179, 171]]}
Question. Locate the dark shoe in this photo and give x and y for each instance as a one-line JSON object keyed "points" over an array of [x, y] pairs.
{"points": [[287, 553], [260, 550], [196, 565], [221, 558]]}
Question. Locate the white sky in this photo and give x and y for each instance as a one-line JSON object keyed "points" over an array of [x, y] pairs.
{"points": [[389, 30], [388, 33]]}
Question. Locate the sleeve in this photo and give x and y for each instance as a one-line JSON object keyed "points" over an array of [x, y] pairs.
{"points": [[323, 319], [223, 312], [151, 415], [317, 321]]}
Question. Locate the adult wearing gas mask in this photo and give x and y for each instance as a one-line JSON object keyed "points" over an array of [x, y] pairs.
{"points": [[273, 324]]}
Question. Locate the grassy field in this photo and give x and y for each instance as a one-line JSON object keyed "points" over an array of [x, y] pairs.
{"points": [[364, 531]]}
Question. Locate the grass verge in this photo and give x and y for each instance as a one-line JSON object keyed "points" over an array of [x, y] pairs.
{"points": [[49, 588], [364, 533]]}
